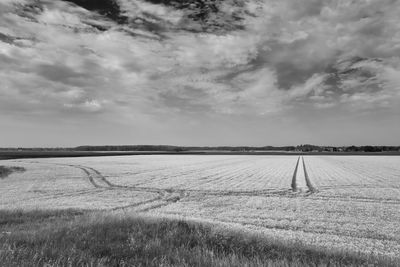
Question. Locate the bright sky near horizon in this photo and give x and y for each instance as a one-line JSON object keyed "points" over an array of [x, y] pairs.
{"points": [[196, 72]]}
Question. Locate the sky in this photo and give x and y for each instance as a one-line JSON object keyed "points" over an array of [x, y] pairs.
{"points": [[195, 72]]}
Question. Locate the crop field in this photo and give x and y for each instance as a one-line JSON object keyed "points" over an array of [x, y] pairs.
{"points": [[335, 203]]}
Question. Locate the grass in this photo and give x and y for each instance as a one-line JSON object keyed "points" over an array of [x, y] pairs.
{"points": [[6, 171], [12, 218], [71, 238]]}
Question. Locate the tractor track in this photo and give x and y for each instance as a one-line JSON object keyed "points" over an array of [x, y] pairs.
{"points": [[294, 183], [95, 175], [392, 201], [297, 176], [310, 185], [137, 204], [166, 196]]}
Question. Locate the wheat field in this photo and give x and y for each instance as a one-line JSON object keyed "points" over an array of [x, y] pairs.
{"points": [[339, 203]]}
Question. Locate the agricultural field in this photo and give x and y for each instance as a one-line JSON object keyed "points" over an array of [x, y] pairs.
{"points": [[335, 203]]}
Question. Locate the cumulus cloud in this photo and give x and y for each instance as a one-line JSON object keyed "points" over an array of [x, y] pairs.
{"points": [[232, 57]]}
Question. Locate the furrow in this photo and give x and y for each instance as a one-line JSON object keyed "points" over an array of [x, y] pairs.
{"points": [[294, 184], [137, 204], [309, 184]]}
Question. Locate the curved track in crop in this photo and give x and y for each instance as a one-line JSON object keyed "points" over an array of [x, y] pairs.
{"points": [[171, 195]]}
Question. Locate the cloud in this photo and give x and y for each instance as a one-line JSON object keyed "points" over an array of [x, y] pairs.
{"points": [[252, 57]]}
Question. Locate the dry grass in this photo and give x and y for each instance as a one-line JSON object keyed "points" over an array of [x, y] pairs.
{"points": [[98, 239]]}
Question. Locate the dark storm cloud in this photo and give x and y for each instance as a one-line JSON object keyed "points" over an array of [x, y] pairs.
{"points": [[108, 8]]}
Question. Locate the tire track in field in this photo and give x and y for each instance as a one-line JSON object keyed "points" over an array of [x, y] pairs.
{"points": [[309, 183], [265, 193], [373, 200], [137, 204], [357, 186], [101, 183], [89, 176], [298, 185], [165, 196], [101, 177], [165, 192], [94, 176], [294, 183], [169, 196]]}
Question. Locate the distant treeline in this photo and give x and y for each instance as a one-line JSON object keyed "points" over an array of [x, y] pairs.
{"points": [[313, 148], [181, 148], [299, 148]]}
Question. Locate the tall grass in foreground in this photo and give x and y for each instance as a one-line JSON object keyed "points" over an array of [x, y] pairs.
{"points": [[68, 238]]}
